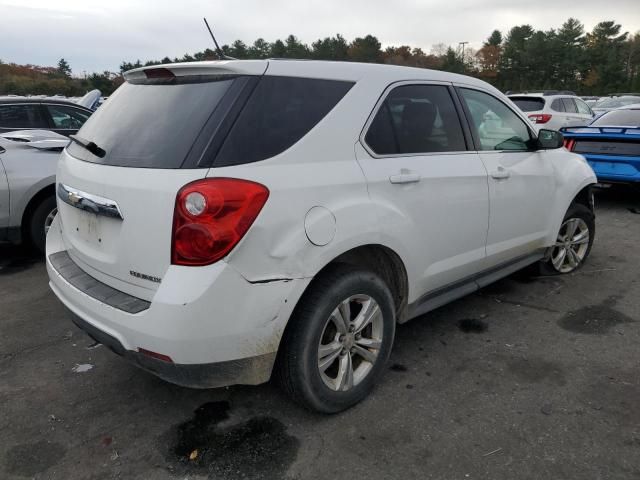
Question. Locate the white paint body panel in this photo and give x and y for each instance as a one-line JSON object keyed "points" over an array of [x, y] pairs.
{"points": [[239, 306]]}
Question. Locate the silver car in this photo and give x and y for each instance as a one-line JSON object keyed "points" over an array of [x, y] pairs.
{"points": [[28, 161]]}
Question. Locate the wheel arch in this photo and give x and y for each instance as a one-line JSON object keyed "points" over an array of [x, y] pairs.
{"points": [[36, 199]]}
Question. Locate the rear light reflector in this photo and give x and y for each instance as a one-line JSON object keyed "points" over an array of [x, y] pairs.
{"points": [[540, 117], [157, 356], [211, 216]]}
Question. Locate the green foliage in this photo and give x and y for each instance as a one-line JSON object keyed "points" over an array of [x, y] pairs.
{"points": [[602, 61]]}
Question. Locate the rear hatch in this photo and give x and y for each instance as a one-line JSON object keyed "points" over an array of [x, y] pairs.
{"points": [[117, 181]]}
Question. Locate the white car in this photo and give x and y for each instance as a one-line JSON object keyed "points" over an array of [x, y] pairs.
{"points": [[606, 104], [553, 111], [219, 219]]}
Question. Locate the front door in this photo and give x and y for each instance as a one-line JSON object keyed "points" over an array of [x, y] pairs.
{"points": [[521, 179], [429, 186]]}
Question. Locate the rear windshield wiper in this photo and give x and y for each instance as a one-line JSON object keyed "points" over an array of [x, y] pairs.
{"points": [[87, 145]]}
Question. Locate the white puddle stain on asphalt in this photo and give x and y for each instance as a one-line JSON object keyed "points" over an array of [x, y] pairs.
{"points": [[82, 367]]}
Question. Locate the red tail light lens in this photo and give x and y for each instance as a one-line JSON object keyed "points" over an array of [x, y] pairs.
{"points": [[540, 117], [211, 216], [569, 143]]}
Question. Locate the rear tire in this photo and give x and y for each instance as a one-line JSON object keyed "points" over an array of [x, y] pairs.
{"points": [[40, 221], [327, 363], [573, 242]]}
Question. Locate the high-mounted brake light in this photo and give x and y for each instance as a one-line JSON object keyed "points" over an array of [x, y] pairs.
{"points": [[540, 117], [211, 216], [158, 73]]}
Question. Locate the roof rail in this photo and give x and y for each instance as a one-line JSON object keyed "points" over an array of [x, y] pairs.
{"points": [[545, 93]]}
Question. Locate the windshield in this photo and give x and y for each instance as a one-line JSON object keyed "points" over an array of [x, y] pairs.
{"points": [[528, 104], [621, 118], [616, 102], [150, 125]]}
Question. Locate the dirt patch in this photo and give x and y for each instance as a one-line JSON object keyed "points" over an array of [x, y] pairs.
{"points": [[472, 325], [257, 448], [594, 319], [29, 459], [536, 370]]}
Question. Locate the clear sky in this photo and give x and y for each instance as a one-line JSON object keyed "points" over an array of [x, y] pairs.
{"points": [[96, 36]]}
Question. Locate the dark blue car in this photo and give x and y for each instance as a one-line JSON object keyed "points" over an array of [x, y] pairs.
{"points": [[610, 143]]}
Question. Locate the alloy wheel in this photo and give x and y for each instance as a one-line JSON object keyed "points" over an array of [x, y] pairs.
{"points": [[571, 245], [350, 342]]}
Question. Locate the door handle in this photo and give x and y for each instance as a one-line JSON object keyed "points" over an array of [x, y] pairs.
{"points": [[405, 176], [500, 173]]}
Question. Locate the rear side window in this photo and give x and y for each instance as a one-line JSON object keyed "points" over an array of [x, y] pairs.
{"points": [[528, 104], [65, 117], [22, 116], [280, 111], [557, 105], [622, 118], [416, 119], [569, 105], [151, 125]]}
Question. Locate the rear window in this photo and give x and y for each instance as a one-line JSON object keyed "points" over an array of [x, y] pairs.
{"points": [[151, 125], [528, 104], [280, 112], [622, 118], [22, 116]]}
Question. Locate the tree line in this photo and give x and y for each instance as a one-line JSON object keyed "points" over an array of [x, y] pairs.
{"points": [[602, 61]]}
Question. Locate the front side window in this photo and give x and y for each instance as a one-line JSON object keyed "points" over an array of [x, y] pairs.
{"points": [[583, 108], [416, 119], [496, 126], [22, 116], [67, 117]]}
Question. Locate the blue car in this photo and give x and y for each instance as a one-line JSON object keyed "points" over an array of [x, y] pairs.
{"points": [[611, 144]]}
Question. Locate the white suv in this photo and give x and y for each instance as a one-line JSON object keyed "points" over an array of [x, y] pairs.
{"points": [[554, 111], [220, 219]]}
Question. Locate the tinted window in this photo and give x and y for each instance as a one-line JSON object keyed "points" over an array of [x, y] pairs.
{"points": [[67, 117], [496, 126], [583, 108], [569, 105], [22, 116], [557, 105], [151, 125], [280, 111], [528, 104], [623, 118], [416, 119]]}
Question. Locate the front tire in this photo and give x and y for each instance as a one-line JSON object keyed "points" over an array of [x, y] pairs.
{"points": [[338, 340], [573, 242]]}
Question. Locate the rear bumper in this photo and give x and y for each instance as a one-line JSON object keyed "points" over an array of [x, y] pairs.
{"points": [[250, 371], [216, 327], [615, 169]]}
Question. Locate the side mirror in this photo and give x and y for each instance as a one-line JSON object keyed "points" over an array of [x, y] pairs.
{"points": [[549, 139]]}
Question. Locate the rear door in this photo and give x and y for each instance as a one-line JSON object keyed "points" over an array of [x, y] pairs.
{"points": [[584, 112], [521, 180], [116, 204], [429, 188]]}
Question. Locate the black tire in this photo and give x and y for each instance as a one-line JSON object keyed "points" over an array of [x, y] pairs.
{"points": [[35, 228], [578, 211], [297, 366]]}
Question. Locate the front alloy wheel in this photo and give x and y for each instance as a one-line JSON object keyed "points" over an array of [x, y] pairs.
{"points": [[571, 245]]}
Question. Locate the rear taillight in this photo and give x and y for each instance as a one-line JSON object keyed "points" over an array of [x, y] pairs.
{"points": [[540, 117], [569, 143], [211, 216]]}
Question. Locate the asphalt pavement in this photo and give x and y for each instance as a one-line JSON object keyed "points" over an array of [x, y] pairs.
{"points": [[530, 378]]}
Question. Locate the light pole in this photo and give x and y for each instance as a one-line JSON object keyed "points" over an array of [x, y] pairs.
{"points": [[463, 63]]}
